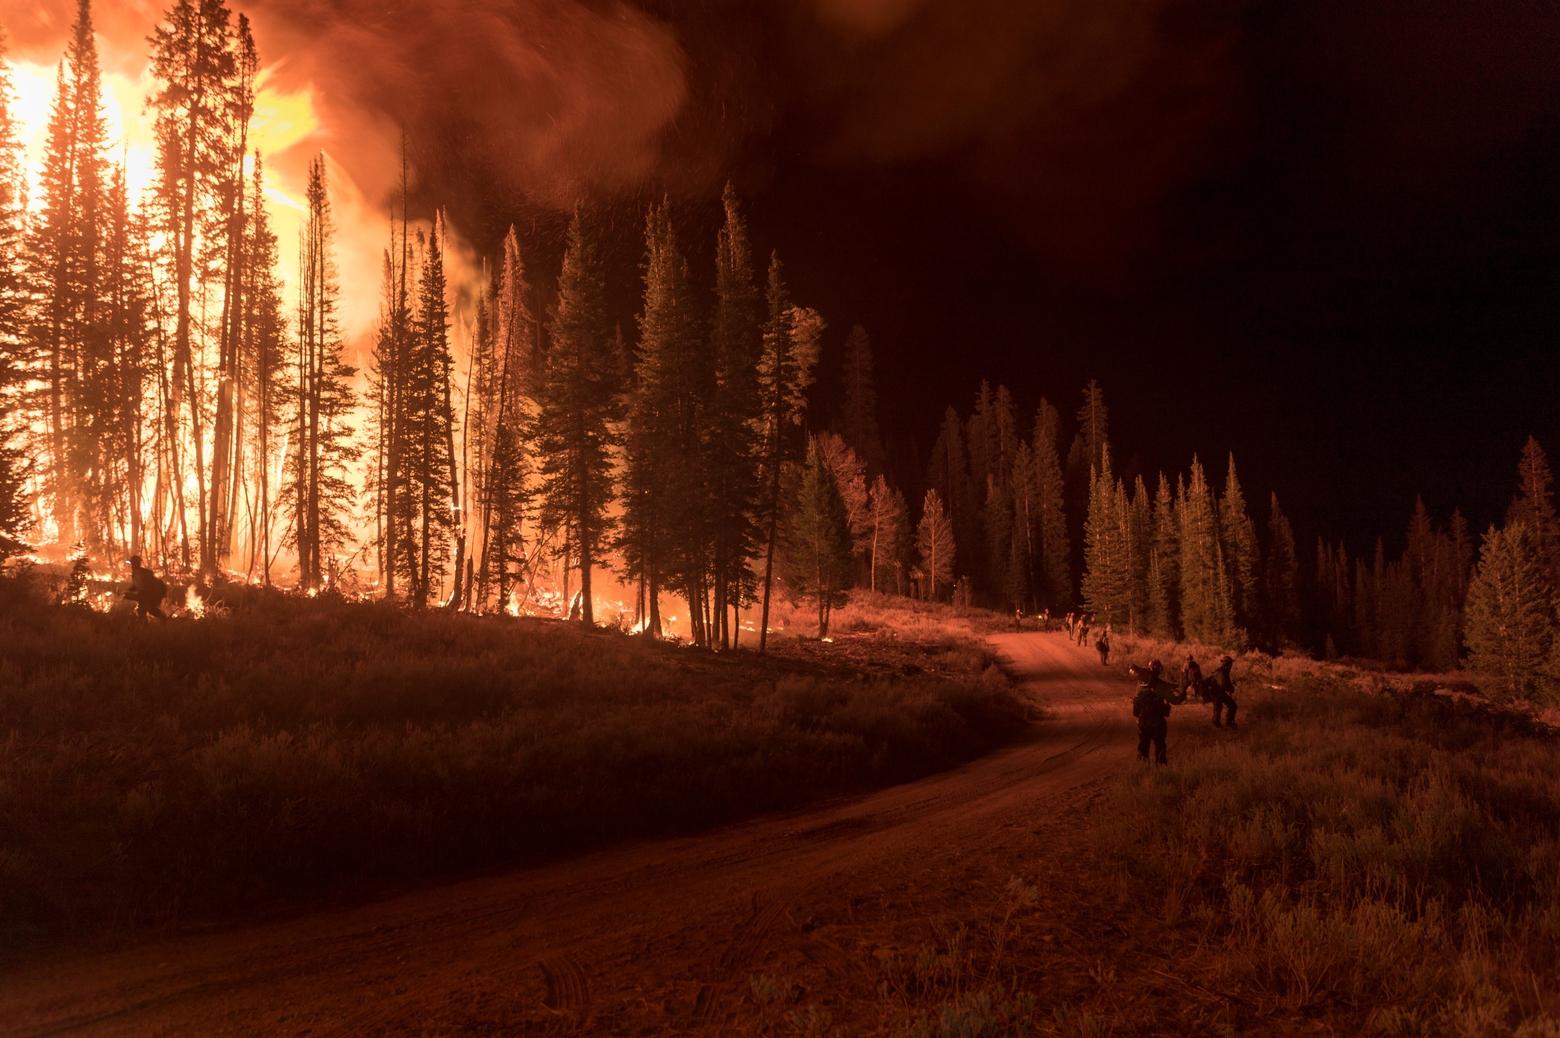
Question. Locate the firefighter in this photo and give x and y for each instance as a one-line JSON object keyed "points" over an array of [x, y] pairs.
{"points": [[1083, 627], [1222, 687], [146, 590], [1192, 678], [1151, 706], [1103, 648]]}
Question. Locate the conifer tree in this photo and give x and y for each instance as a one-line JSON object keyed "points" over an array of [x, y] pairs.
{"points": [[1023, 495], [1238, 538], [1107, 573], [785, 371], [936, 545], [997, 516], [263, 372], [125, 317], [65, 252], [428, 490], [322, 446], [14, 518], [666, 533], [850, 478], [1055, 550], [505, 491], [949, 475], [859, 421], [1534, 506], [888, 522], [390, 398], [817, 540], [735, 433], [1205, 591], [1510, 625], [979, 438], [1281, 578], [194, 56], [1164, 564], [1088, 448], [580, 408], [1138, 512], [227, 428]]}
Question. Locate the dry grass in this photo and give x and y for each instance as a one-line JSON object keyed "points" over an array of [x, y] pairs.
{"points": [[1347, 863], [288, 749], [1388, 863]]}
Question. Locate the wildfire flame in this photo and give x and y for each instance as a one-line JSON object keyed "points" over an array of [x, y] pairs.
{"points": [[285, 129], [290, 124]]}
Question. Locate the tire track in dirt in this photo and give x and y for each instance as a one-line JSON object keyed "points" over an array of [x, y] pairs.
{"points": [[657, 936]]}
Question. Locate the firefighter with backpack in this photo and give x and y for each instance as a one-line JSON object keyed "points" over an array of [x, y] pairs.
{"points": [[1151, 706], [146, 590]]}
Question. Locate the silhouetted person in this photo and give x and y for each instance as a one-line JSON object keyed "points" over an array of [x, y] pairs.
{"points": [[1083, 627], [146, 590], [1071, 623], [1222, 688], [1103, 648], [1151, 706], [1192, 678], [1018, 619]]}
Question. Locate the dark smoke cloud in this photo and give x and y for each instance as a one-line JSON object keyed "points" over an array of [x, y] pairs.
{"points": [[1090, 131], [551, 99], [1074, 120]]}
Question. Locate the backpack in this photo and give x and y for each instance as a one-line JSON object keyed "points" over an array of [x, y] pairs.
{"points": [[1149, 705], [152, 589]]}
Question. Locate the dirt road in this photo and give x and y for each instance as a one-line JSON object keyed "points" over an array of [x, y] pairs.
{"points": [[645, 938]]}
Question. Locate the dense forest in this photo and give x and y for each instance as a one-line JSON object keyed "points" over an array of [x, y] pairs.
{"points": [[162, 397]]}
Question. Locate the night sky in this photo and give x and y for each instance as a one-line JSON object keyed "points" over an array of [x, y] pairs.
{"points": [[1338, 255], [1325, 238]]}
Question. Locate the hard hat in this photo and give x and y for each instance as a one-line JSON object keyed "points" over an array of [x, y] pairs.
{"points": [[1155, 666]]}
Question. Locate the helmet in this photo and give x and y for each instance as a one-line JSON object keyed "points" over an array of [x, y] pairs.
{"points": [[1228, 659], [135, 560], [1155, 667]]}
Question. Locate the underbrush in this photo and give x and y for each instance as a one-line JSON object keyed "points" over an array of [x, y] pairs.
{"points": [[286, 749], [878, 614], [1388, 863]]}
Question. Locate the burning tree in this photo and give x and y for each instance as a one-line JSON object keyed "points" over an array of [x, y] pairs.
{"points": [[666, 525], [13, 315], [323, 401], [263, 386], [506, 411], [580, 409], [425, 511]]}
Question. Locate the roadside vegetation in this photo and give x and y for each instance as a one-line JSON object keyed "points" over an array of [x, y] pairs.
{"points": [[286, 748], [1388, 863], [1351, 861]]}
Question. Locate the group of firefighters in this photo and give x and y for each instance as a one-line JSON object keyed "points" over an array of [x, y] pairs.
{"points": [[1155, 696]]}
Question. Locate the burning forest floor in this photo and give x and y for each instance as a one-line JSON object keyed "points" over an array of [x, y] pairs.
{"points": [[287, 752]]}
